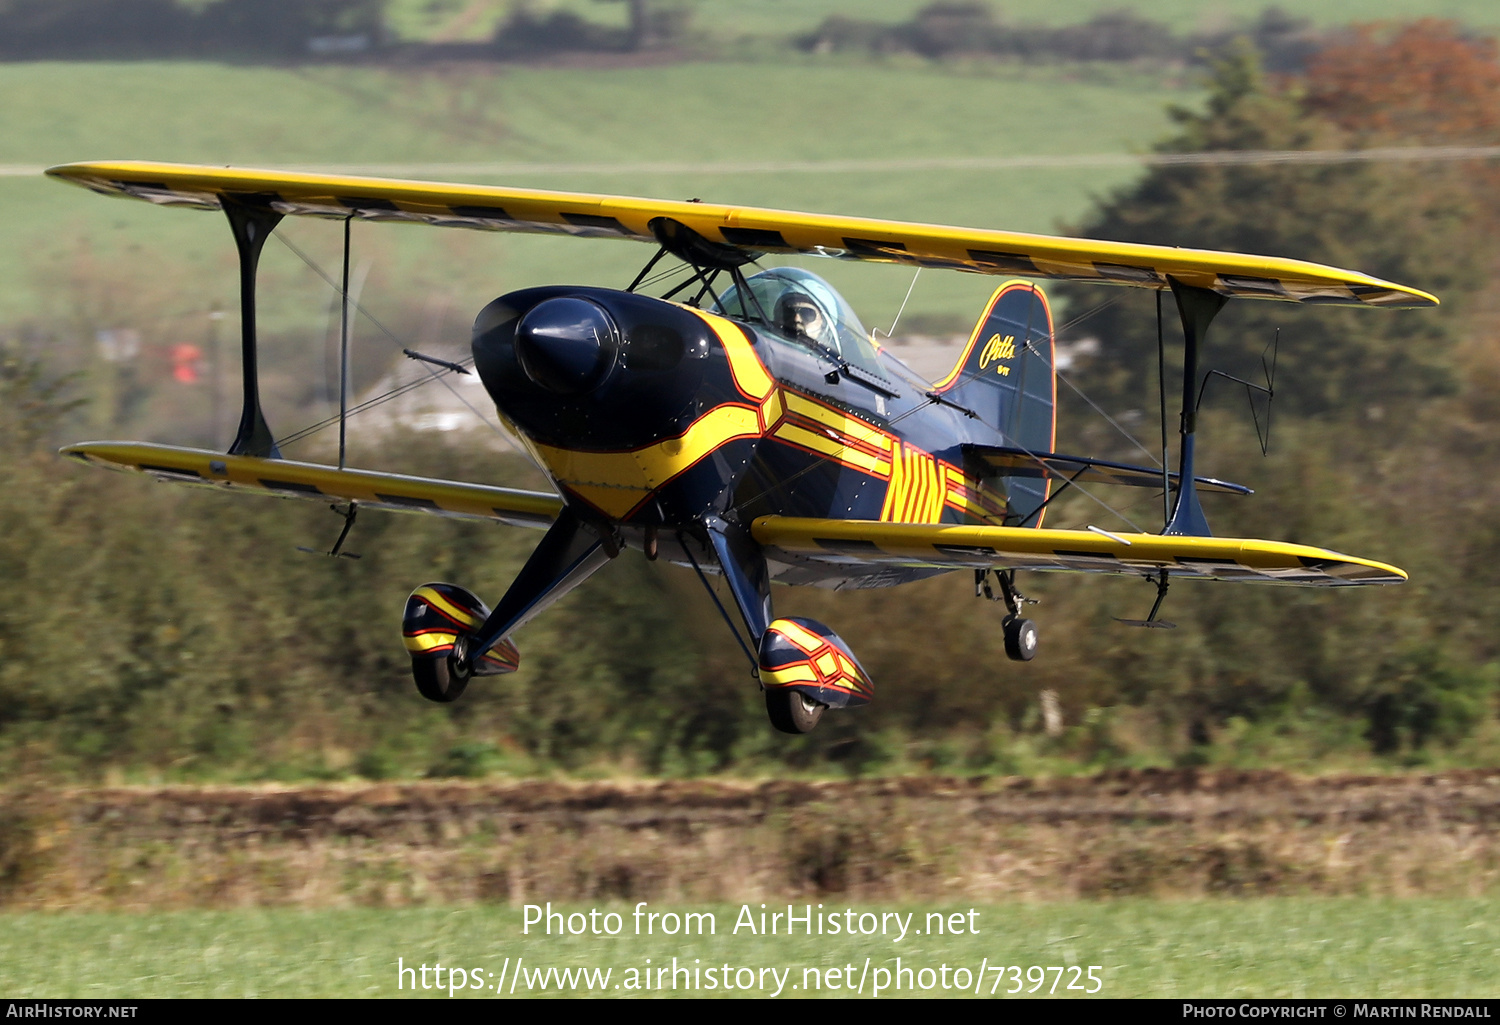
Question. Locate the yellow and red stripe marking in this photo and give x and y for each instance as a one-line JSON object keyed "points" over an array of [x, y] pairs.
{"points": [[822, 664], [916, 491], [460, 616]]}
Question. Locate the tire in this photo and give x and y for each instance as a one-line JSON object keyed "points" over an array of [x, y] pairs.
{"points": [[1020, 639], [436, 680], [792, 711]]}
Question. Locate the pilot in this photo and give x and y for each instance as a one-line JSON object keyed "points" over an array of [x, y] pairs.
{"points": [[798, 316]]}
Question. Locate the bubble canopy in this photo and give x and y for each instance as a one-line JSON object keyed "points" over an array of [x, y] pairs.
{"points": [[802, 308]]}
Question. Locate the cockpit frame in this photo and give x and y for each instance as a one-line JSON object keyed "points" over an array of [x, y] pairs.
{"points": [[842, 340]]}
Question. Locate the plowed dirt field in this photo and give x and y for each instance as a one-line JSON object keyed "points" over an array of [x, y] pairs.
{"points": [[1148, 833]]}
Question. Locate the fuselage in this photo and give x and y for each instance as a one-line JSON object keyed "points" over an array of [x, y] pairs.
{"points": [[650, 415]]}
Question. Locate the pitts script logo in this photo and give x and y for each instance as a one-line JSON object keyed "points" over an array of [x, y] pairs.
{"points": [[1001, 350]]}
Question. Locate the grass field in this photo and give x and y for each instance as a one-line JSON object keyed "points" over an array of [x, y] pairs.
{"points": [[1263, 948], [318, 891]]}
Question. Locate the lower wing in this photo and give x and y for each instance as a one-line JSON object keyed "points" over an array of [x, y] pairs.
{"points": [[288, 479], [940, 546], [835, 543]]}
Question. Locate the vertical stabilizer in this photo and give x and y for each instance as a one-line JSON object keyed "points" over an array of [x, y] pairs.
{"points": [[1007, 375]]}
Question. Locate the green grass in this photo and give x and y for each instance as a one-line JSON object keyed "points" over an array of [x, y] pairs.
{"points": [[1263, 948]]}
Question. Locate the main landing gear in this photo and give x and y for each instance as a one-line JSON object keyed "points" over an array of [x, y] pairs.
{"points": [[1020, 639], [804, 668], [1020, 633]]}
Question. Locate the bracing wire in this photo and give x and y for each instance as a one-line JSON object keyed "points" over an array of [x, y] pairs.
{"points": [[909, 288], [1080, 488], [1146, 496], [970, 374], [368, 404], [754, 665], [661, 275], [1112, 421], [433, 375]]}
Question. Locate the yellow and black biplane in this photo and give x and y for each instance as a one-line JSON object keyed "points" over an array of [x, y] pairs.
{"points": [[748, 425]]}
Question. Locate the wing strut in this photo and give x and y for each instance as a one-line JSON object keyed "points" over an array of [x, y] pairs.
{"points": [[344, 350], [1161, 394], [1197, 307], [252, 222]]}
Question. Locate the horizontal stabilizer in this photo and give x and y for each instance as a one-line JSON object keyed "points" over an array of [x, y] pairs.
{"points": [[976, 250], [287, 479], [1015, 462], [941, 546]]}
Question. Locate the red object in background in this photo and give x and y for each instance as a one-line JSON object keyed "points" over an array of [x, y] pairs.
{"points": [[185, 362]]}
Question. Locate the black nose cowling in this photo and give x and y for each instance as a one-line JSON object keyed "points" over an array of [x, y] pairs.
{"points": [[567, 345], [574, 366]]}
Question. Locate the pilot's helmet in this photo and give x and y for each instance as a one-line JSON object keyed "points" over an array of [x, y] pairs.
{"points": [[799, 316]]}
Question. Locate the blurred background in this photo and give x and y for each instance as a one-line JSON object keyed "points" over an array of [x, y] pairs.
{"points": [[156, 634]]}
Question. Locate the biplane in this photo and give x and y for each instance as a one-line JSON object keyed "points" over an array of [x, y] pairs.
{"points": [[741, 422]]}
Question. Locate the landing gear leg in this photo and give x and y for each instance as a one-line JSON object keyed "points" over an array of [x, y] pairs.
{"points": [[567, 555], [1021, 634]]}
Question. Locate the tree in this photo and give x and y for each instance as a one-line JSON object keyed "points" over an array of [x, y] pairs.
{"points": [[653, 22], [1427, 81], [1393, 221]]}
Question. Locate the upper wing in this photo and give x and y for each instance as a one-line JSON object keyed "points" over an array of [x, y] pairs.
{"points": [[927, 245], [290, 479], [940, 546]]}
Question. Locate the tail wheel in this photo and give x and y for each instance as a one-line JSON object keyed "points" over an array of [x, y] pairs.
{"points": [[792, 711], [437, 679], [1020, 639]]}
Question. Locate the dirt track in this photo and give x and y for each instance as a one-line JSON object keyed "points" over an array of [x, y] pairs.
{"points": [[1131, 833]]}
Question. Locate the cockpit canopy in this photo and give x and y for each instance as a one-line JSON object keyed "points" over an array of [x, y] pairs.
{"points": [[803, 308]]}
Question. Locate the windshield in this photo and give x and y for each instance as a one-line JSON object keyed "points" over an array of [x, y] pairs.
{"points": [[803, 308]]}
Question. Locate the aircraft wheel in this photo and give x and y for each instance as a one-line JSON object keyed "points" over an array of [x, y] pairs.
{"points": [[1020, 639], [436, 680], [792, 711]]}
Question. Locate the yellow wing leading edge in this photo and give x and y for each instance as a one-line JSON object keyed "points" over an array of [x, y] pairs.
{"points": [[286, 478], [779, 231]]}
